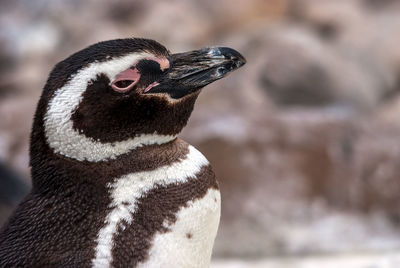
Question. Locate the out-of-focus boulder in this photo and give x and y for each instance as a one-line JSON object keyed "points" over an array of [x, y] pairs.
{"points": [[363, 35], [297, 68], [15, 123]]}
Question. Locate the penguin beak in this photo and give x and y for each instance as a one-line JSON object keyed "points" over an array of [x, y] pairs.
{"points": [[191, 71]]}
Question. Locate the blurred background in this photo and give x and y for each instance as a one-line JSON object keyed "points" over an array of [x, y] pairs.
{"points": [[305, 138]]}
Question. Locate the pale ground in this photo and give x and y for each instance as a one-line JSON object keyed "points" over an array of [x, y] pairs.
{"points": [[360, 260]]}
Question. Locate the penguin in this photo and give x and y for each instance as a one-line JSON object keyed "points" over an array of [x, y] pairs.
{"points": [[112, 184]]}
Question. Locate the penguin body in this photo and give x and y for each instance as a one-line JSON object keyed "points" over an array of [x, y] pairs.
{"points": [[112, 184]]}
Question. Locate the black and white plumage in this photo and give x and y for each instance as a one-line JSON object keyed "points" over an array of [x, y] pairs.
{"points": [[112, 184]]}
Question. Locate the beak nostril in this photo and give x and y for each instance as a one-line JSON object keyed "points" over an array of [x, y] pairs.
{"points": [[221, 71]]}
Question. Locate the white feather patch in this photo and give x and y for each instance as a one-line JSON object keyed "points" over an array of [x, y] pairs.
{"points": [[65, 140], [129, 188], [190, 240]]}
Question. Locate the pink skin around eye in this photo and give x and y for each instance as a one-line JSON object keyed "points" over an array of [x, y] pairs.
{"points": [[164, 63], [127, 75], [133, 75], [151, 86]]}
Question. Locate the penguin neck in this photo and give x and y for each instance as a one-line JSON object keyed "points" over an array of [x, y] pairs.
{"points": [[52, 169]]}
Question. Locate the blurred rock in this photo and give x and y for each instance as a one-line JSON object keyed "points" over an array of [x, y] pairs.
{"points": [[297, 68], [16, 117], [355, 33]]}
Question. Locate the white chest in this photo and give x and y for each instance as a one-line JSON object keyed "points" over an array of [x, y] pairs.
{"points": [[190, 239]]}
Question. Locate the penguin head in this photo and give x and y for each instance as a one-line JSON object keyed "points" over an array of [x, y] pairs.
{"points": [[123, 93]]}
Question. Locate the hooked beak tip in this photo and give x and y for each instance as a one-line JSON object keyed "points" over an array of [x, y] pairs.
{"points": [[227, 54]]}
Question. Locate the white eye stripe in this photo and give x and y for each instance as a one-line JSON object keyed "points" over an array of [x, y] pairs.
{"points": [[59, 131]]}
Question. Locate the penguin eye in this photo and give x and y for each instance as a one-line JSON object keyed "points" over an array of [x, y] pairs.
{"points": [[125, 80], [123, 85]]}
